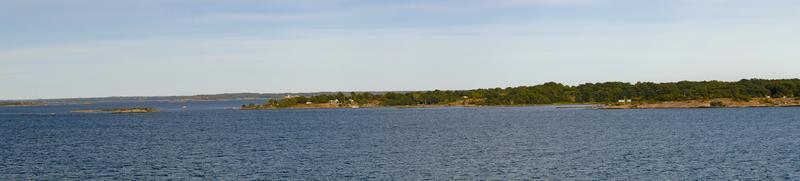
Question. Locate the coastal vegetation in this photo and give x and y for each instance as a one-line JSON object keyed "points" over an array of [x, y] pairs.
{"points": [[610, 93]]}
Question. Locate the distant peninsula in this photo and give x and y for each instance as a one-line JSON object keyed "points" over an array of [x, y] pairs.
{"points": [[607, 95], [120, 110], [18, 103]]}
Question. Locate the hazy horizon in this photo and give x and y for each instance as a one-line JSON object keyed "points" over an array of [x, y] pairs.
{"points": [[348, 91], [94, 48]]}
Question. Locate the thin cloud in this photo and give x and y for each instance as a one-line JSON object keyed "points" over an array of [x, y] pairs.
{"points": [[262, 17], [540, 1]]}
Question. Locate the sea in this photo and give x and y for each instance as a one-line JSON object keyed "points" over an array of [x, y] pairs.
{"points": [[213, 140]]}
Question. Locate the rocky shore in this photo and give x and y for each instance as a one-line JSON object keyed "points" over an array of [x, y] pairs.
{"points": [[713, 103]]}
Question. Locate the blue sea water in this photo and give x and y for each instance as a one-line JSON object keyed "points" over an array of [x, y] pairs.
{"points": [[210, 141]]}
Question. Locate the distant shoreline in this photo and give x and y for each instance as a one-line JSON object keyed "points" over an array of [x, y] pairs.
{"points": [[690, 104], [119, 110], [714, 103], [612, 95], [20, 104]]}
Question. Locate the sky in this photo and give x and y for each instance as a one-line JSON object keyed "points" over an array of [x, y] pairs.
{"points": [[97, 48]]}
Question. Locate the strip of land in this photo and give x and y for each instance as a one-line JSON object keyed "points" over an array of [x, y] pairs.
{"points": [[610, 95], [119, 110], [18, 103], [714, 103]]}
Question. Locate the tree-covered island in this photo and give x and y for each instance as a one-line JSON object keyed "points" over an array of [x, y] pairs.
{"points": [[684, 94]]}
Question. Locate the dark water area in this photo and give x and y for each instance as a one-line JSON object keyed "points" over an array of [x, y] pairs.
{"points": [[210, 141]]}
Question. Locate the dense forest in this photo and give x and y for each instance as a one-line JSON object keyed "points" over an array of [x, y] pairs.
{"points": [[552, 92]]}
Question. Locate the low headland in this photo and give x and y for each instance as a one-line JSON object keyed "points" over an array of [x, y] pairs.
{"points": [[19, 103], [607, 95], [120, 110]]}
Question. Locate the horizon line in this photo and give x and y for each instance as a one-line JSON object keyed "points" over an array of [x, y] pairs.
{"points": [[362, 91]]}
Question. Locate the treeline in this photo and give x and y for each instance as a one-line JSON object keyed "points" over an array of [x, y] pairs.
{"points": [[552, 92]]}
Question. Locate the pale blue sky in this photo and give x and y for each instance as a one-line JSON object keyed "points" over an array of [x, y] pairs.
{"points": [[91, 48]]}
